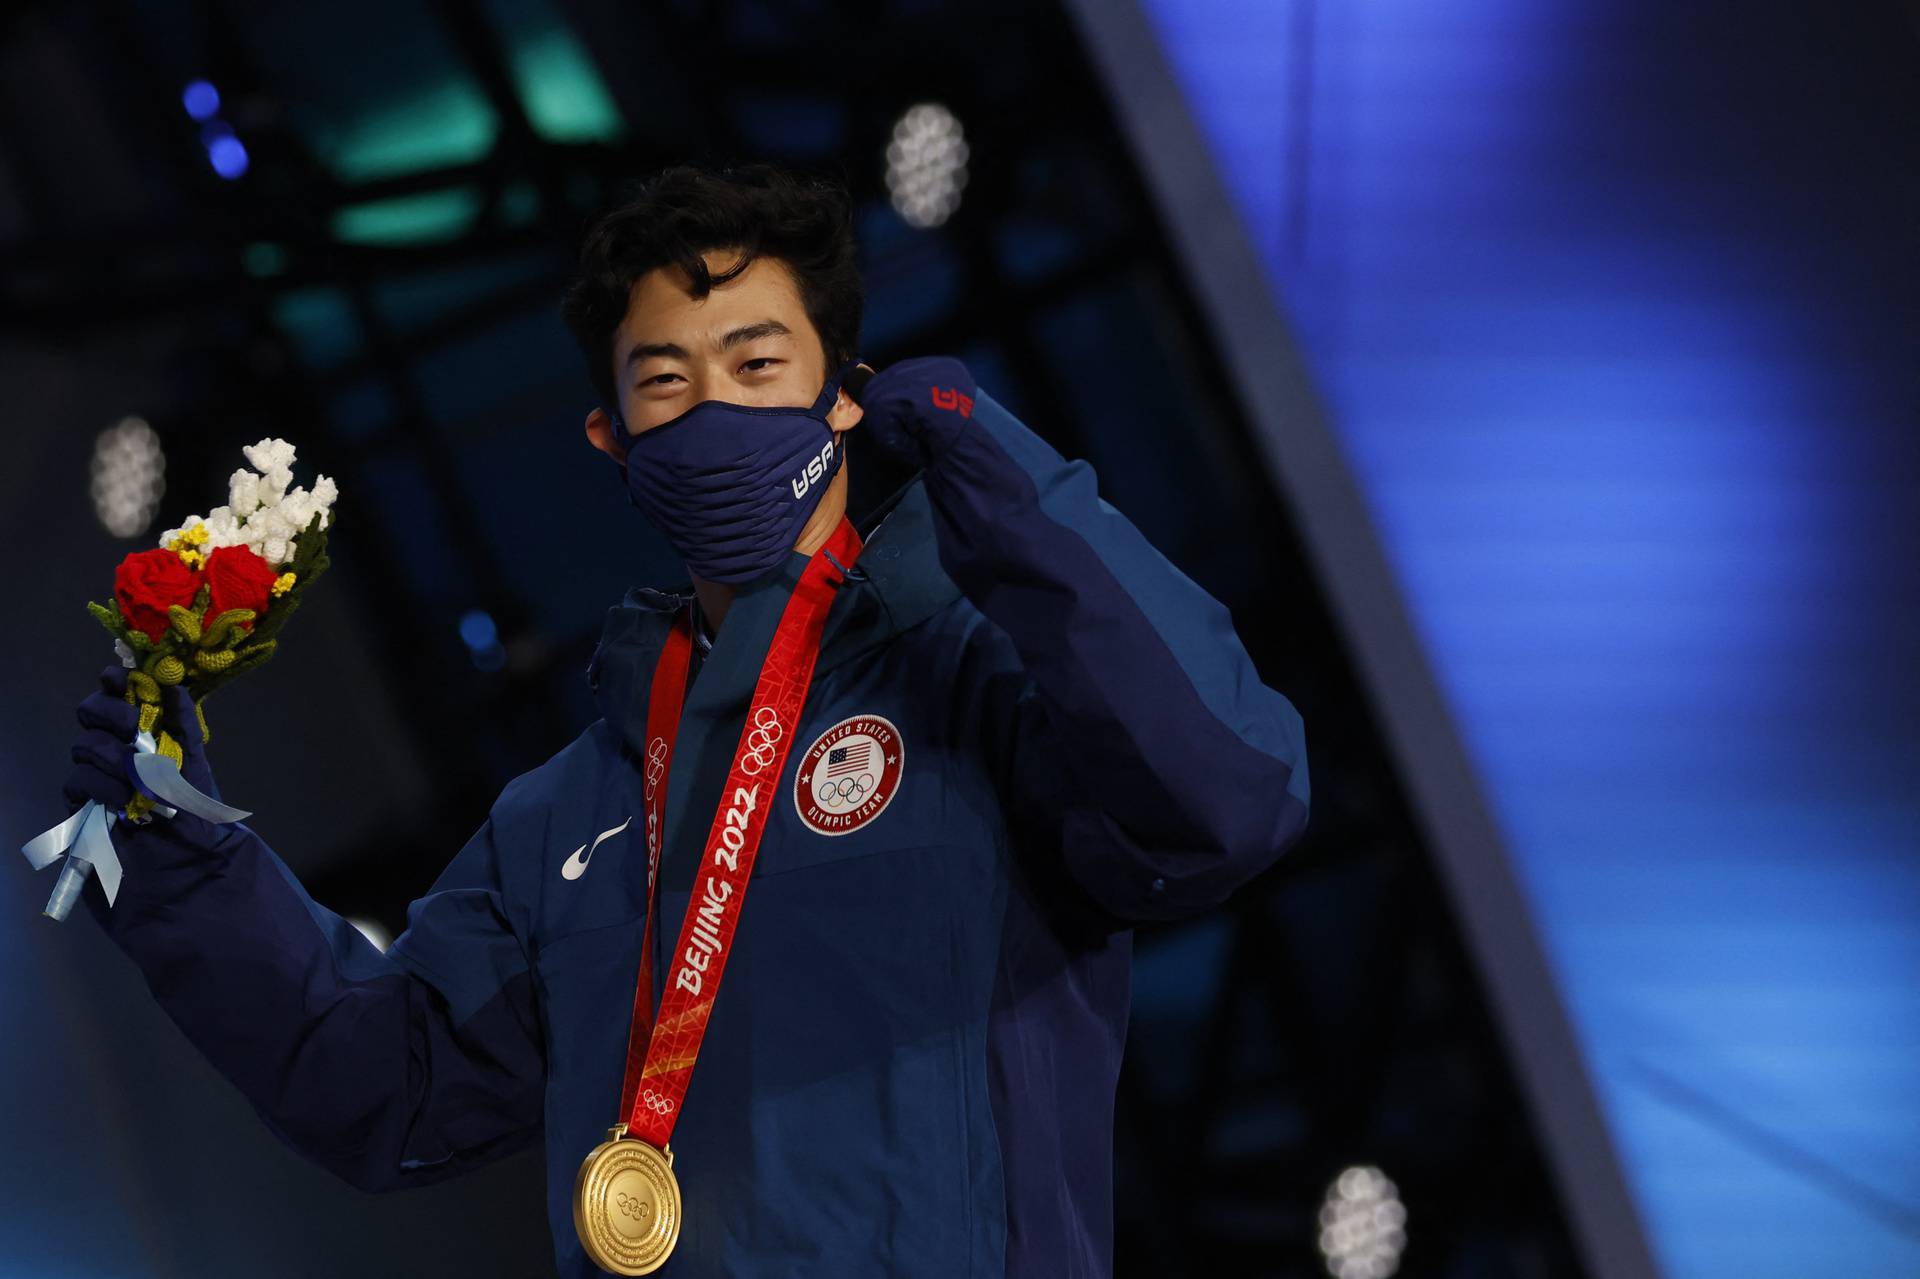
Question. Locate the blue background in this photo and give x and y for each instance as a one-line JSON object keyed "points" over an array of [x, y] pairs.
{"points": [[1612, 311]]}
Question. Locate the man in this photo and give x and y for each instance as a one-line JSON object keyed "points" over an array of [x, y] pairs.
{"points": [[1022, 732]]}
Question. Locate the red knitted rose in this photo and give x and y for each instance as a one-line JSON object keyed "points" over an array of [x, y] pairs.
{"points": [[147, 582], [239, 579]]}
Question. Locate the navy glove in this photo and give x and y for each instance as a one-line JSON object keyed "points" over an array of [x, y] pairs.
{"points": [[913, 409], [103, 753]]}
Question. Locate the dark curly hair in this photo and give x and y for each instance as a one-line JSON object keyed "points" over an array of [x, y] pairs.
{"points": [[686, 210]]}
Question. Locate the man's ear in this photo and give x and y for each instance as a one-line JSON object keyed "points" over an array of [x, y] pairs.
{"points": [[845, 413], [600, 432]]}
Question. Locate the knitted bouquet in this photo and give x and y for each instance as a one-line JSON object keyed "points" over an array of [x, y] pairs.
{"points": [[203, 606], [208, 602]]}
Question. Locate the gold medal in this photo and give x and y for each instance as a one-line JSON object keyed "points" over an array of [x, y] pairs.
{"points": [[626, 1204]]}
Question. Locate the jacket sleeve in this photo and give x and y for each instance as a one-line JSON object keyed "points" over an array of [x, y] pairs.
{"points": [[1135, 728], [390, 1069]]}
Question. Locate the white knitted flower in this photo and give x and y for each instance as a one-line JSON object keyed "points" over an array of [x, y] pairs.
{"points": [[296, 508], [223, 529], [127, 658], [276, 551], [324, 493], [269, 455], [243, 492]]}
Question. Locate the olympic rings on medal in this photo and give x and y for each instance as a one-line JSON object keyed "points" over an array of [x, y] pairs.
{"points": [[637, 1207], [656, 1102], [757, 755]]}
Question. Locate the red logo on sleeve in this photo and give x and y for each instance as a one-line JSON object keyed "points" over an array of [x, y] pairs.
{"points": [[951, 398]]}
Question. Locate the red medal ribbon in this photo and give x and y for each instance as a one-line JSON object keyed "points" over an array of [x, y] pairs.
{"points": [[664, 701], [656, 1081]]}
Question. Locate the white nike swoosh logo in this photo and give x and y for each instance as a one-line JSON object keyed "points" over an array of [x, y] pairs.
{"points": [[576, 865]]}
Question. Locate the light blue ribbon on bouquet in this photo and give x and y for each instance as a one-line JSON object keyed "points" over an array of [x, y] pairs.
{"points": [[84, 840]]}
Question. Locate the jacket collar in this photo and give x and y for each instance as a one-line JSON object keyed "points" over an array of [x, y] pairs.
{"points": [[896, 584]]}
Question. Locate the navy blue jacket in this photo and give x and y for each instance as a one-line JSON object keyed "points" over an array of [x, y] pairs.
{"points": [[910, 1068]]}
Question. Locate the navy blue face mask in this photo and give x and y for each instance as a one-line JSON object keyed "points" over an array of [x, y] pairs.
{"points": [[731, 485]]}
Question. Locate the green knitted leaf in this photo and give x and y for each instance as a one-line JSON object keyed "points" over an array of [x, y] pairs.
{"points": [[310, 545], [184, 623], [212, 661], [251, 656], [110, 618], [246, 657], [283, 608], [226, 627]]}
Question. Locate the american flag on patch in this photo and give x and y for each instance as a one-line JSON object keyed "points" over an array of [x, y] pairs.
{"points": [[848, 759]]}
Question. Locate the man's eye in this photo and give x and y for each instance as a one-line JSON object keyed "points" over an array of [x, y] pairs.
{"points": [[762, 359]]}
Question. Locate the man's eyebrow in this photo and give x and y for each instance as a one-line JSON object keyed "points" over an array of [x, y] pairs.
{"points": [[745, 333]]}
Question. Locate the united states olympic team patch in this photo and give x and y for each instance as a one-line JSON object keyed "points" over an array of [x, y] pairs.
{"points": [[849, 774]]}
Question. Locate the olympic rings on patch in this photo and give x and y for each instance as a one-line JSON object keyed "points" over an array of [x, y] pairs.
{"points": [[847, 789]]}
